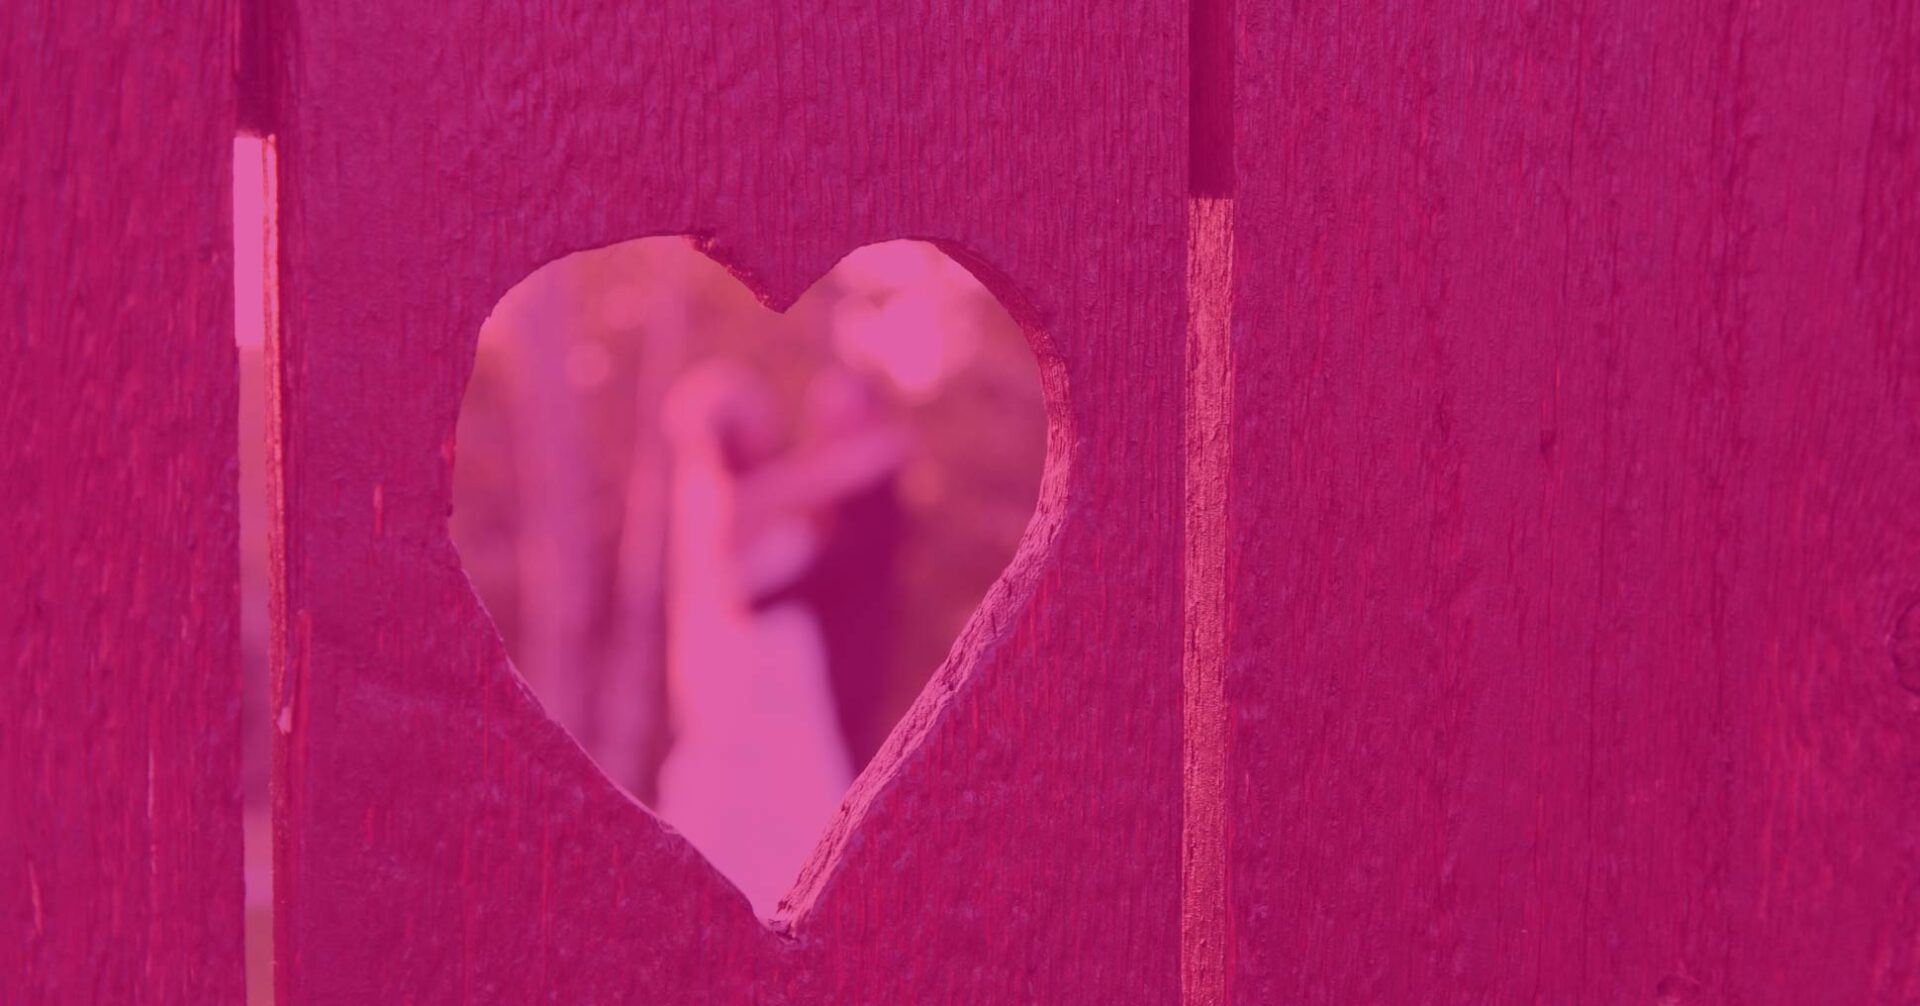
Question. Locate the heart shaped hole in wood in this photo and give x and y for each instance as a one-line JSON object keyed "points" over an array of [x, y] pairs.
{"points": [[725, 546]]}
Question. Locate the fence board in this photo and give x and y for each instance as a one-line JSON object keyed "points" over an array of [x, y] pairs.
{"points": [[440, 839], [1576, 438], [119, 595]]}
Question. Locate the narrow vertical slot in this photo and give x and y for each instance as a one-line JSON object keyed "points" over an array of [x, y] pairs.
{"points": [[1205, 951], [253, 298]]}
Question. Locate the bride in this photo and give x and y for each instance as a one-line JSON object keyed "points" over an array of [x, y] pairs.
{"points": [[757, 765]]}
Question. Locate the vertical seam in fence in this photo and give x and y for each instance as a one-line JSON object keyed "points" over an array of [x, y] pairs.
{"points": [[256, 69], [290, 641], [1209, 406], [259, 72], [1205, 940], [1210, 87]]}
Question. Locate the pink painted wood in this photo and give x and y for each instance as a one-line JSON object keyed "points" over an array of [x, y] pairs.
{"points": [[119, 679], [439, 839], [1551, 581], [1576, 442]]}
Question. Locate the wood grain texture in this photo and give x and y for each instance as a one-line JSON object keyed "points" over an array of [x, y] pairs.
{"points": [[120, 872], [440, 840], [1576, 451]]}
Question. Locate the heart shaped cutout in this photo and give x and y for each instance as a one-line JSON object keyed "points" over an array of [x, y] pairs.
{"points": [[725, 546]]}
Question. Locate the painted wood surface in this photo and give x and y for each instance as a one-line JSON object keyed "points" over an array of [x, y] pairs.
{"points": [[439, 839], [1527, 608], [1576, 440], [119, 679]]}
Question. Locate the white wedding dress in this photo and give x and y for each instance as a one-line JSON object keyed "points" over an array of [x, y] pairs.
{"points": [[757, 766]]}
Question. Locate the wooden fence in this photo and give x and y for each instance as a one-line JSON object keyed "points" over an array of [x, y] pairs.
{"points": [[1479, 559]]}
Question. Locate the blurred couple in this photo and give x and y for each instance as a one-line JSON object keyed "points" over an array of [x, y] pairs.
{"points": [[780, 589]]}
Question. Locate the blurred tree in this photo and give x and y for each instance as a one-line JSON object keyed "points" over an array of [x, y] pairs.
{"points": [[556, 547]]}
